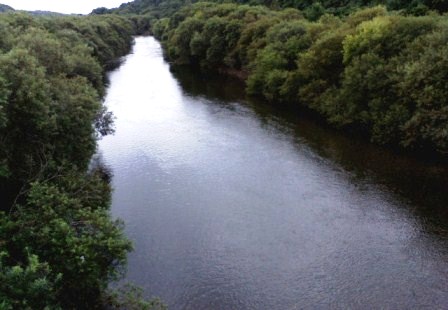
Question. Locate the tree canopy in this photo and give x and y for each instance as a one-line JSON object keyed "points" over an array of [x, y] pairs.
{"points": [[374, 71], [59, 246]]}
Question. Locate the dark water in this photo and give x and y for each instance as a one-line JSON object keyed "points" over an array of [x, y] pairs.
{"points": [[236, 205]]}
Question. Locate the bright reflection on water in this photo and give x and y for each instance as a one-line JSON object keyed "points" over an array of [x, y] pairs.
{"points": [[234, 207]]}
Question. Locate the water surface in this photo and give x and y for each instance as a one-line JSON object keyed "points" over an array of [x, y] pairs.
{"points": [[233, 204]]}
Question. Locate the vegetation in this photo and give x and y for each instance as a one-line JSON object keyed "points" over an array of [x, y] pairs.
{"points": [[370, 70], [374, 71], [59, 246], [312, 9], [361, 64]]}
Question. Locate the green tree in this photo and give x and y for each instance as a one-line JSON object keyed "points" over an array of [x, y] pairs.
{"points": [[29, 112], [69, 227], [30, 285], [421, 86]]}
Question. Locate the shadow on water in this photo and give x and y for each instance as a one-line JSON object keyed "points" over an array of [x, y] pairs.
{"points": [[422, 184]]}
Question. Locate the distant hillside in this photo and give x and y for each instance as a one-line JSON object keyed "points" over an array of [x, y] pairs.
{"points": [[5, 8], [45, 13], [155, 7]]}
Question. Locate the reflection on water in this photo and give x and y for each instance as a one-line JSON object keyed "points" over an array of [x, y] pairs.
{"points": [[232, 204], [422, 184]]}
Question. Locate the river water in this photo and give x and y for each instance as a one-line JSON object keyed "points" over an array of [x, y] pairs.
{"points": [[233, 204]]}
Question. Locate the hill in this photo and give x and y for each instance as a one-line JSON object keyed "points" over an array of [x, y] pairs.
{"points": [[44, 13], [5, 8]]}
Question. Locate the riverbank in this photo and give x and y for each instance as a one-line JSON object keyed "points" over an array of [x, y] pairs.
{"points": [[239, 79], [393, 93], [60, 245]]}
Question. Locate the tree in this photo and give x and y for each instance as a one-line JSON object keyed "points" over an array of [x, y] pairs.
{"points": [[28, 112], [421, 85], [74, 235]]}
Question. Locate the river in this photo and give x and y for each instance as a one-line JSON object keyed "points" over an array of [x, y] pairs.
{"points": [[234, 204]]}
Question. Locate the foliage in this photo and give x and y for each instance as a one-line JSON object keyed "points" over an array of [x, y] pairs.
{"points": [[130, 297], [373, 71], [69, 227], [30, 285], [312, 9], [59, 246], [51, 79]]}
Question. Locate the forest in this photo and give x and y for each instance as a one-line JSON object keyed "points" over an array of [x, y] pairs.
{"points": [[378, 68], [311, 8], [374, 72], [373, 68], [59, 246]]}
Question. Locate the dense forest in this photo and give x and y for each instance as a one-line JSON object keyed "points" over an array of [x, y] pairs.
{"points": [[311, 8], [374, 72], [59, 246], [379, 68]]}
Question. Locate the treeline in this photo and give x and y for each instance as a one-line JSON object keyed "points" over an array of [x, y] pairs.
{"points": [[311, 9], [375, 72], [59, 246]]}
